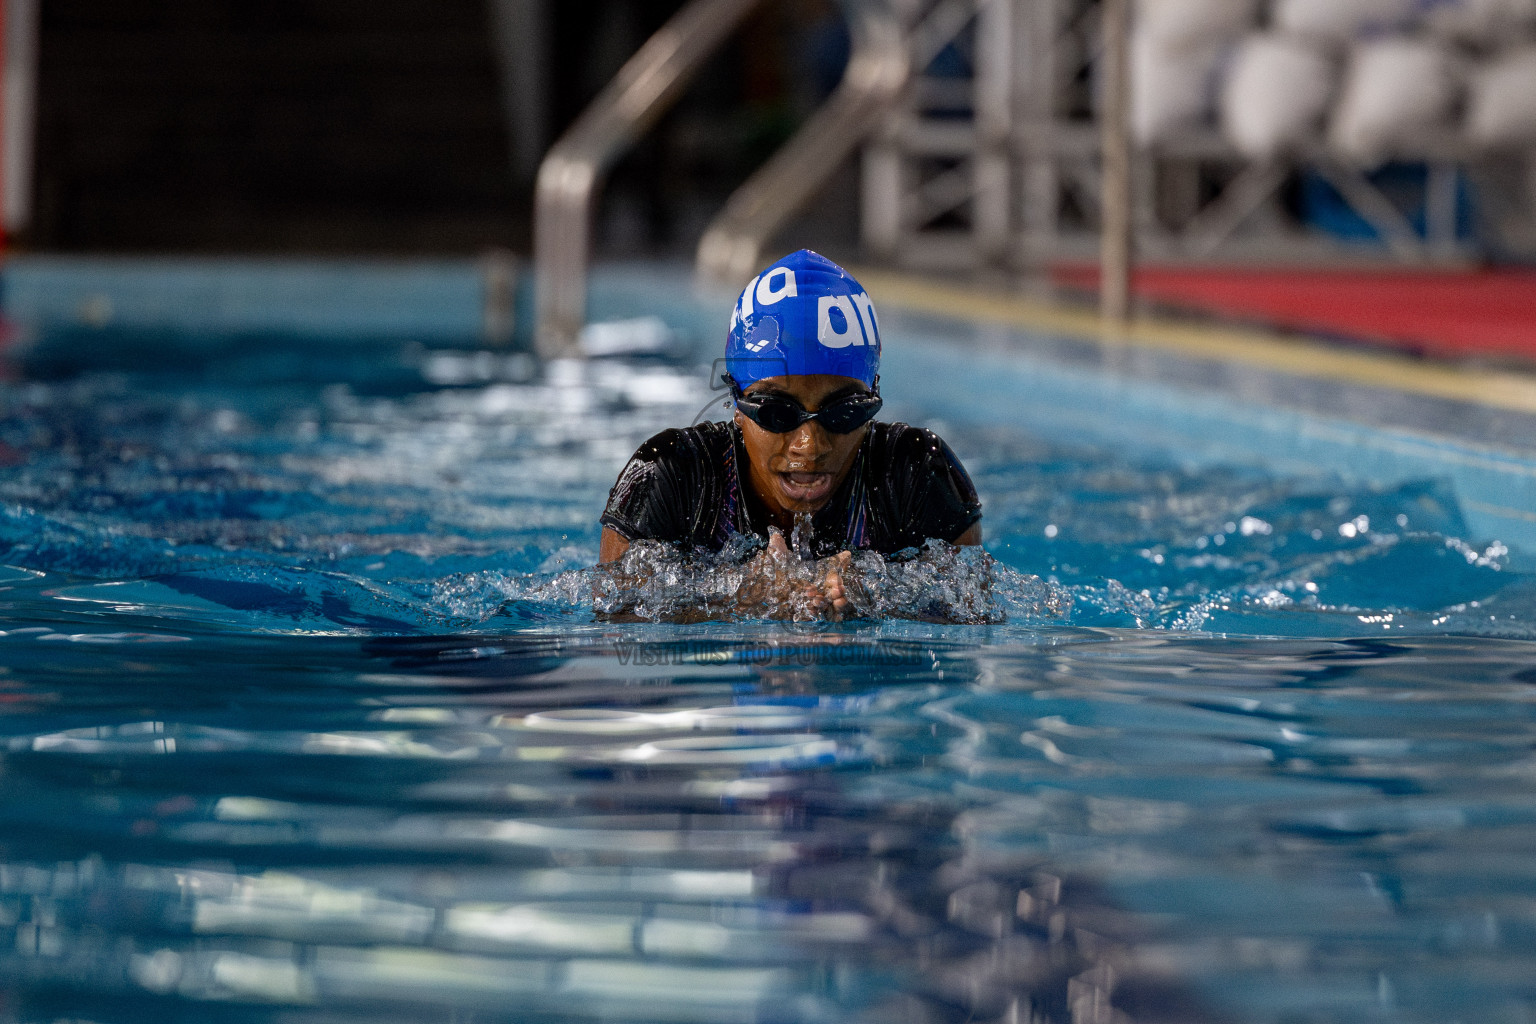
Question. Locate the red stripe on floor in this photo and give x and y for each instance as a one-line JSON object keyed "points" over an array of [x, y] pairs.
{"points": [[1451, 313]]}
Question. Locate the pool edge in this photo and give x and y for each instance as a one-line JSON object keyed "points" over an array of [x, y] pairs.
{"points": [[1506, 390]]}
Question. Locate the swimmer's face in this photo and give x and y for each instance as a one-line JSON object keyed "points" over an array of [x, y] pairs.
{"points": [[800, 470]]}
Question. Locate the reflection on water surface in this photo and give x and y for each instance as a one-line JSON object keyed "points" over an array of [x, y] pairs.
{"points": [[304, 716], [519, 827]]}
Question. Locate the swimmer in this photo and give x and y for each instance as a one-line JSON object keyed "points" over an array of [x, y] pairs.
{"points": [[803, 449]]}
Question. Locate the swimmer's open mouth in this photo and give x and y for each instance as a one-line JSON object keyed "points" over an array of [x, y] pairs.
{"points": [[806, 486]]}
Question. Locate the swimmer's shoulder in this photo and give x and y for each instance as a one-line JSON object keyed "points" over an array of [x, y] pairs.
{"points": [[901, 444], [915, 469], [683, 444], [666, 484]]}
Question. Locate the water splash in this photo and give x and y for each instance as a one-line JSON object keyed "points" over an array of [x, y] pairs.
{"points": [[657, 582], [800, 538]]}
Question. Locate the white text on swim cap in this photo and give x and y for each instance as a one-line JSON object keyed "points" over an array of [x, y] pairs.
{"points": [[867, 319], [778, 283], [827, 331]]}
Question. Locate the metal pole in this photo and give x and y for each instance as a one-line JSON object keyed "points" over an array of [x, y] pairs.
{"points": [[992, 220], [1115, 251], [1039, 89]]}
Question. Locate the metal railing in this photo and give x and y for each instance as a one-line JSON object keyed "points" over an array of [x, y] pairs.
{"points": [[731, 248], [571, 174], [572, 171]]}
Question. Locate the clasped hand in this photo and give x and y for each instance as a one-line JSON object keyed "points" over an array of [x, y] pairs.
{"points": [[780, 583]]}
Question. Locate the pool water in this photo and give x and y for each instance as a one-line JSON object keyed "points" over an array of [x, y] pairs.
{"points": [[305, 716]]}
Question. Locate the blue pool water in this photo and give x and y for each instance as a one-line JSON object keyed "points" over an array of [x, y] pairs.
{"points": [[304, 715]]}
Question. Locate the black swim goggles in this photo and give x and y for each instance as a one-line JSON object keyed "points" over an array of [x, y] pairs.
{"points": [[779, 414]]}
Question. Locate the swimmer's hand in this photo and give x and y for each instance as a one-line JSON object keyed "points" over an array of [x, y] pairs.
{"points": [[840, 588], [781, 586], [774, 584]]}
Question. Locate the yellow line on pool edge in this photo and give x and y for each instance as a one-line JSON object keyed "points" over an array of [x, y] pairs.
{"points": [[1502, 511], [1501, 390]]}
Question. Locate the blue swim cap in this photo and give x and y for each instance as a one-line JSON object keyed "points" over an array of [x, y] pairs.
{"points": [[803, 315]]}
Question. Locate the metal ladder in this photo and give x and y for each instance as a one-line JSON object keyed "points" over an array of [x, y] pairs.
{"points": [[731, 248]]}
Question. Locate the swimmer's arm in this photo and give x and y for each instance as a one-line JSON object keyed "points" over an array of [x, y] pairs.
{"points": [[611, 549], [970, 538], [613, 546]]}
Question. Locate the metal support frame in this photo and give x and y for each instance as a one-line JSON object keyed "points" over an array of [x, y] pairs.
{"points": [[1006, 167], [932, 173], [1115, 139]]}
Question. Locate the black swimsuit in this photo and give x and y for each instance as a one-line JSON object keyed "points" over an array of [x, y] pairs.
{"points": [[684, 486]]}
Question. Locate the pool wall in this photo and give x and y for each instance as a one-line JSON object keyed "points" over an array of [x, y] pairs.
{"points": [[441, 300]]}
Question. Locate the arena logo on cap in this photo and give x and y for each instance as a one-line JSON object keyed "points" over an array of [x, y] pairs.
{"points": [[836, 315], [770, 288], [764, 334]]}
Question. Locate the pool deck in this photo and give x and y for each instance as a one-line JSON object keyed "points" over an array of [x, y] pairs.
{"points": [[1450, 312], [1502, 389]]}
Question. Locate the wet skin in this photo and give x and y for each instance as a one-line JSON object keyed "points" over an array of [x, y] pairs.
{"points": [[798, 471]]}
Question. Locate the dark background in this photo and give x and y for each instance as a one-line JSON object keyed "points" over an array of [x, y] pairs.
{"points": [[378, 125]]}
